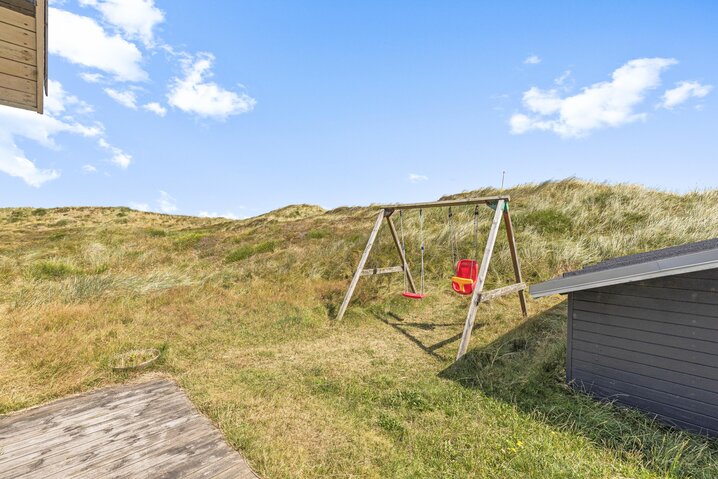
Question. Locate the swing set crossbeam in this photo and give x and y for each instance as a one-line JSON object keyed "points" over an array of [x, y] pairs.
{"points": [[500, 206], [485, 200]]}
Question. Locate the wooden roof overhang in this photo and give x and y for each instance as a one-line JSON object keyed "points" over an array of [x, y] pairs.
{"points": [[23, 53]]}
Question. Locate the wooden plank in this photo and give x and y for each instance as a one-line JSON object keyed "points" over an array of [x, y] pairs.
{"points": [[667, 329], [40, 10], [684, 295], [677, 365], [16, 96], [445, 203], [628, 313], [16, 53], [682, 282], [22, 70], [15, 83], [157, 435], [659, 350], [661, 383], [17, 36], [515, 258], [402, 255], [481, 279], [20, 6], [656, 304], [704, 274], [689, 344], [360, 267], [654, 406], [374, 271], [503, 291], [16, 105], [17, 19], [651, 371]]}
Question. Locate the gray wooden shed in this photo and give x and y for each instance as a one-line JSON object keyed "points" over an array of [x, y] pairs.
{"points": [[643, 331]]}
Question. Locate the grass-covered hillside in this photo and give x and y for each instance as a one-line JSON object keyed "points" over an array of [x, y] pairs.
{"points": [[242, 313]]}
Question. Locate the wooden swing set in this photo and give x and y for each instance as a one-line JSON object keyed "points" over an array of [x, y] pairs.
{"points": [[469, 276]]}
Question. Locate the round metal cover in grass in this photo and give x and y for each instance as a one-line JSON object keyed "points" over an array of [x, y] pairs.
{"points": [[135, 359]]}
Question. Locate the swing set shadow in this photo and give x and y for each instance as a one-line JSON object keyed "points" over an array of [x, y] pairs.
{"points": [[476, 278], [405, 327]]}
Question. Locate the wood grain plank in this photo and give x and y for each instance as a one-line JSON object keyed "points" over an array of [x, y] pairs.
{"points": [[17, 36], [17, 19], [16, 96], [16, 83], [149, 430], [17, 53], [14, 68]]}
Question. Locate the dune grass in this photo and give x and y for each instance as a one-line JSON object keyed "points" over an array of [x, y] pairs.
{"points": [[241, 311]]}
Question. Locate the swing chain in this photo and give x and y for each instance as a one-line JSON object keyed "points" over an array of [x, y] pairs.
{"points": [[421, 235], [403, 247], [476, 230], [452, 239]]}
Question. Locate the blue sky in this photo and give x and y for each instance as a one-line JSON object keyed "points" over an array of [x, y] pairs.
{"points": [[235, 108]]}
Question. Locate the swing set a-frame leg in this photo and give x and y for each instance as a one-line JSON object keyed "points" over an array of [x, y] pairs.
{"points": [[480, 280], [362, 262]]}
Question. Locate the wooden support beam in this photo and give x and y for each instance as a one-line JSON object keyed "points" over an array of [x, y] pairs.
{"points": [[483, 270], [515, 259], [397, 243], [362, 262], [503, 291], [390, 269], [40, 11], [439, 204]]}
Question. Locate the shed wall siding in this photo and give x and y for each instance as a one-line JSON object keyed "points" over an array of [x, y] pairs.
{"points": [[651, 345]]}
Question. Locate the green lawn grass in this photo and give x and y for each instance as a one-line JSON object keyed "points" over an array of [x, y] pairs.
{"points": [[242, 313]]}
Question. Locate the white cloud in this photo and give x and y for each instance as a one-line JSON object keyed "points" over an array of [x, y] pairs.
{"points": [[228, 214], [92, 77], [89, 169], [125, 98], [135, 18], [119, 157], [601, 105], [532, 60], [684, 91], [83, 41], [414, 178], [195, 94], [562, 78], [166, 203], [139, 206], [42, 129], [155, 108]]}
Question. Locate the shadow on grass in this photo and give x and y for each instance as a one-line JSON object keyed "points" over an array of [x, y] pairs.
{"points": [[526, 368], [407, 329]]}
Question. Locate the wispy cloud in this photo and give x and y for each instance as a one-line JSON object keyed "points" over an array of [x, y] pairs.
{"points": [[414, 178], [125, 98], [166, 203], [194, 93], [139, 206], [211, 214], [601, 105], [60, 111], [155, 108], [532, 60], [81, 40], [683, 92], [136, 19], [89, 169]]}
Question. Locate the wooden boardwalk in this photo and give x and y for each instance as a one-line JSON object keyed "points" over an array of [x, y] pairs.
{"points": [[138, 431]]}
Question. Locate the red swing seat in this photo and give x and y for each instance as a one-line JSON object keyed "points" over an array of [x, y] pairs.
{"points": [[467, 271], [410, 295]]}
